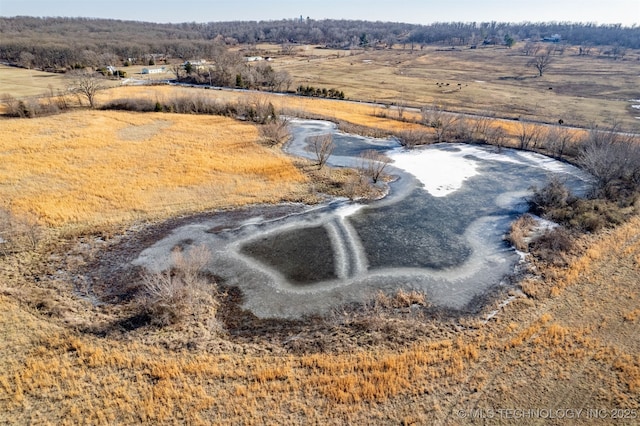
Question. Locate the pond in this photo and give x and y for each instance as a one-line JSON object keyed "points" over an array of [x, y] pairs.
{"points": [[440, 230]]}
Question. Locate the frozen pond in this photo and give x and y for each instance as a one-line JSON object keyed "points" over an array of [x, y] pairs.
{"points": [[440, 230]]}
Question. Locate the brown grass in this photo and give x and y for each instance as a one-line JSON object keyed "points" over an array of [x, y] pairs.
{"points": [[520, 232], [583, 89], [20, 82], [90, 167], [572, 346]]}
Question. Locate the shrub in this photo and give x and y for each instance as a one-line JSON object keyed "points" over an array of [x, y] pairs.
{"points": [[401, 299], [275, 132], [411, 138], [552, 245], [130, 104], [182, 291], [18, 233], [554, 195], [520, 231]]}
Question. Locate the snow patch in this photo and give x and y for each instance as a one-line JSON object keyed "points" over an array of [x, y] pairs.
{"points": [[441, 172], [347, 210]]}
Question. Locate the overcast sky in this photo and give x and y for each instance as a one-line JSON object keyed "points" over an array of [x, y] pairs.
{"points": [[626, 12]]}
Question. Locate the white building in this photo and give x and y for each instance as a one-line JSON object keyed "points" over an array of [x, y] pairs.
{"points": [[154, 70]]}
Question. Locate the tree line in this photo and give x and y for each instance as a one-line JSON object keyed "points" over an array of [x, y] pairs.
{"points": [[67, 43]]}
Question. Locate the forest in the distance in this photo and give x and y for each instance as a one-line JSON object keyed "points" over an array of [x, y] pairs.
{"points": [[60, 43]]}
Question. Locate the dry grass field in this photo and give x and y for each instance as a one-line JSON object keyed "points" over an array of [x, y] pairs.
{"points": [[567, 339], [572, 344], [578, 90], [89, 168], [20, 82]]}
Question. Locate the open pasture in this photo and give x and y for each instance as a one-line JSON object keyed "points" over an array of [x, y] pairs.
{"points": [[21, 83], [580, 90]]}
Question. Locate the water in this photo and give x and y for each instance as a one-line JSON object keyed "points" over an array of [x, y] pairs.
{"points": [[440, 230]]}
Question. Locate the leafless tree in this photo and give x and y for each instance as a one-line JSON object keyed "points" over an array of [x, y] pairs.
{"points": [[322, 146], [440, 120], [170, 296], [480, 126], [411, 138], [558, 139], [86, 84], [541, 62], [275, 132], [496, 135], [373, 164], [12, 106], [618, 52], [27, 59], [177, 70], [613, 157], [287, 48], [18, 232], [585, 49], [530, 48], [282, 81], [528, 135]]}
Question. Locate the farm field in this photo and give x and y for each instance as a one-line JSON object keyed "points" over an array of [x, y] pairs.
{"points": [[19, 82], [578, 90], [101, 185]]}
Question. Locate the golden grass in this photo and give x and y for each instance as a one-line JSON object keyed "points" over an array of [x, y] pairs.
{"points": [[20, 82], [90, 167], [578, 348]]}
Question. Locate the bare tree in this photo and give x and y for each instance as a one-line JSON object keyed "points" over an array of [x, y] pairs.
{"points": [[613, 157], [476, 128], [531, 49], [18, 233], [287, 48], [26, 60], [496, 135], [275, 132], [413, 137], [373, 164], [528, 135], [177, 70], [440, 120], [558, 139], [86, 84], [322, 146], [282, 81], [184, 290], [541, 62]]}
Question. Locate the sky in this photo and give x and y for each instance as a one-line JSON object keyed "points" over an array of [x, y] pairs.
{"points": [[625, 12]]}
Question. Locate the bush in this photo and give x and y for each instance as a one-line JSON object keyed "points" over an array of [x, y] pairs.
{"points": [[275, 132], [18, 233], [182, 291], [552, 245], [401, 299], [411, 138], [130, 104], [554, 195], [520, 231]]}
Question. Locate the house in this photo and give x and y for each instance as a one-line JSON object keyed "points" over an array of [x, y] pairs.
{"points": [[159, 70], [552, 39], [199, 65]]}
